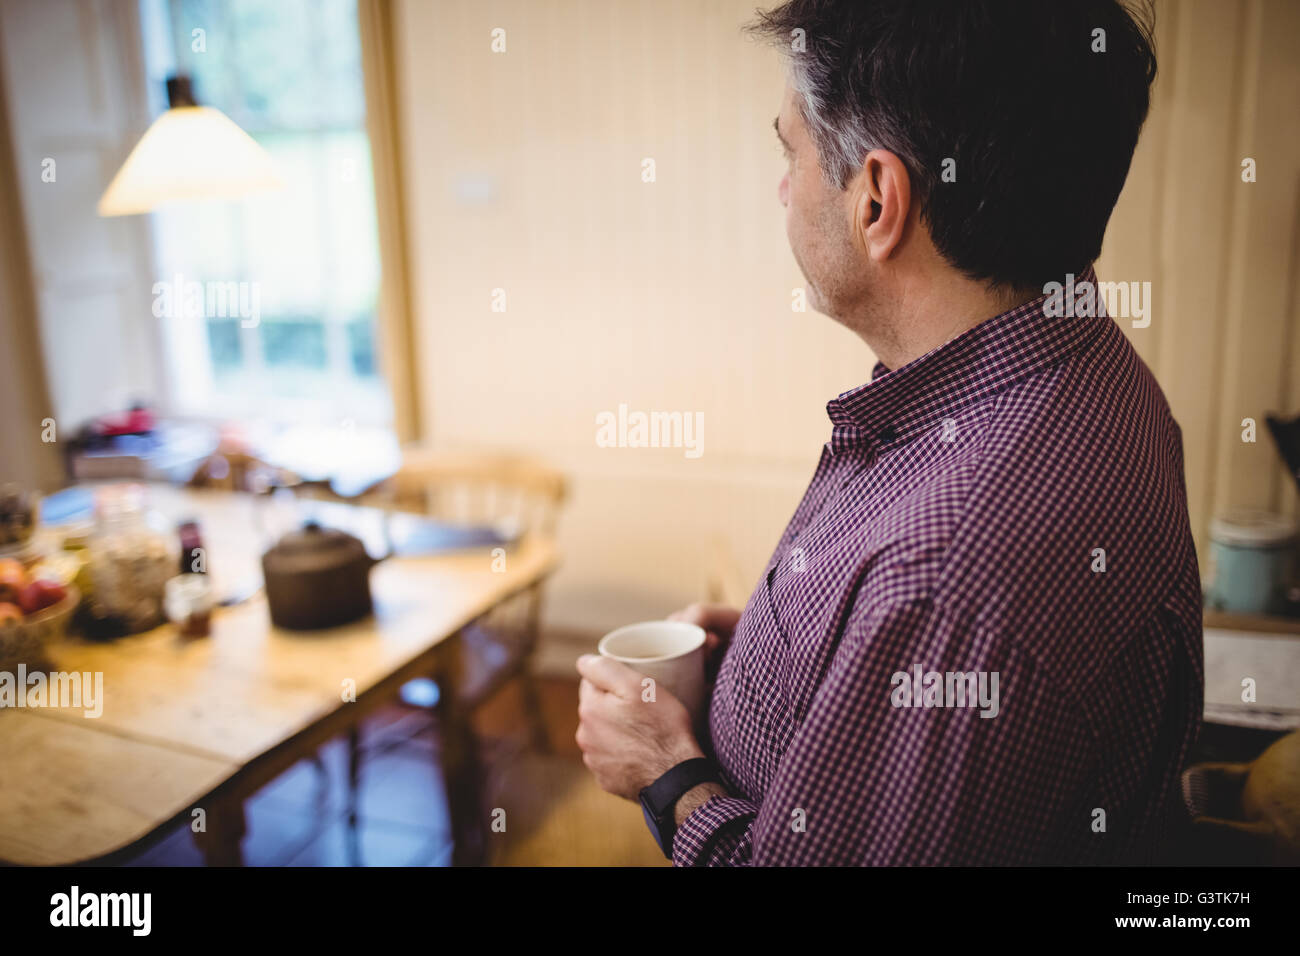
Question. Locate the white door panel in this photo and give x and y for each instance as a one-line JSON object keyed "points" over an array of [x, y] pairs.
{"points": [[76, 95]]}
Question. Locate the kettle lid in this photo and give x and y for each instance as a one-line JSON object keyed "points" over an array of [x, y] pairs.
{"points": [[314, 547]]}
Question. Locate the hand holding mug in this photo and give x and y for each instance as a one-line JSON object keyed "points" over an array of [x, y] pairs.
{"points": [[719, 623]]}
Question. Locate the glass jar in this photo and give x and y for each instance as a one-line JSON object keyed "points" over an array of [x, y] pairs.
{"points": [[131, 558]]}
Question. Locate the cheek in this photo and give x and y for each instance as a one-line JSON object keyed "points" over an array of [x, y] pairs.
{"points": [[794, 230], [795, 207], [798, 228]]}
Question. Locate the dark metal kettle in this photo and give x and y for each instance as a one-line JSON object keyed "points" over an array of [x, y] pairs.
{"points": [[317, 577]]}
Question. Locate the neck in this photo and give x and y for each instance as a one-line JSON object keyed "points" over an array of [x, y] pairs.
{"points": [[923, 313]]}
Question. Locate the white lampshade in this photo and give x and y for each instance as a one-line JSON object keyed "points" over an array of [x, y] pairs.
{"points": [[190, 152]]}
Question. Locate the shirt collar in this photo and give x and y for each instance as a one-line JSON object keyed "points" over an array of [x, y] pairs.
{"points": [[971, 367]]}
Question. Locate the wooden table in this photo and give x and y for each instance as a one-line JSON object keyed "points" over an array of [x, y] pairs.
{"points": [[204, 723]]}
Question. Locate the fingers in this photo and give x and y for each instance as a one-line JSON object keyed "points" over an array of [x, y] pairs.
{"points": [[609, 675]]}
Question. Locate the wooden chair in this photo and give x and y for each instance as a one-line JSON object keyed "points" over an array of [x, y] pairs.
{"points": [[475, 489], [228, 469], [472, 489]]}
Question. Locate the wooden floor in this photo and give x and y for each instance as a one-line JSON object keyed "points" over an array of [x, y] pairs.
{"points": [[560, 817], [554, 813]]}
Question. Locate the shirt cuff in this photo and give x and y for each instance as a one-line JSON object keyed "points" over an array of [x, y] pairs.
{"points": [[716, 833]]}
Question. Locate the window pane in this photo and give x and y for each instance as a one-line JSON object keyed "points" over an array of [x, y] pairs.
{"points": [[361, 347], [294, 342], [289, 73], [223, 343]]}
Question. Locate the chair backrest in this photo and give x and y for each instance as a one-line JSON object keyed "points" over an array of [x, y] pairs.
{"points": [[230, 470], [477, 488]]}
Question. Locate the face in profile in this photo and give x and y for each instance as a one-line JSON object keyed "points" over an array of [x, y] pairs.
{"points": [[818, 217]]}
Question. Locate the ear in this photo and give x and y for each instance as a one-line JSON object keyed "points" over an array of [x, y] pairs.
{"points": [[883, 203]]}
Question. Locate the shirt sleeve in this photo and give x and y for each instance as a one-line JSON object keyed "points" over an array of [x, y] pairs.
{"points": [[716, 833], [868, 779]]}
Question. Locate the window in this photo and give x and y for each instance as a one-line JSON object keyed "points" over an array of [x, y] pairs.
{"points": [[289, 74]]}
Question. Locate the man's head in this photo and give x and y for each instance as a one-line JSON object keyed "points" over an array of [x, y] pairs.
{"points": [[983, 140]]}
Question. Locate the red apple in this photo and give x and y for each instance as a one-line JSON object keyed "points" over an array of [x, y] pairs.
{"points": [[41, 594]]}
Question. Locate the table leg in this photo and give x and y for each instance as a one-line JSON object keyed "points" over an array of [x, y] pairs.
{"points": [[354, 773], [225, 829], [459, 759], [354, 794]]}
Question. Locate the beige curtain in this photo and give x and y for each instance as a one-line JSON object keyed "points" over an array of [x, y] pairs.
{"points": [[396, 333], [24, 398]]}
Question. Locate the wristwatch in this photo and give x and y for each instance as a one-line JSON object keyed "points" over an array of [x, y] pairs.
{"points": [[659, 800]]}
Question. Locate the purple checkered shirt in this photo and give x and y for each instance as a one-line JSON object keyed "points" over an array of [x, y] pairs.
{"points": [[1011, 503]]}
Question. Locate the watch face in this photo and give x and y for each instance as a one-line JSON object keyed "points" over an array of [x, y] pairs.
{"points": [[652, 823]]}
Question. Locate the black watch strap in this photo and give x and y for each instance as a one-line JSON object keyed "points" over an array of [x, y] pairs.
{"points": [[659, 800]]}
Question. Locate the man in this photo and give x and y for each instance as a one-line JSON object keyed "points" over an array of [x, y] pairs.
{"points": [[978, 640]]}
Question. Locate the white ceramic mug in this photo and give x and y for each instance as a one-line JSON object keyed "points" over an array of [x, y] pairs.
{"points": [[672, 652]]}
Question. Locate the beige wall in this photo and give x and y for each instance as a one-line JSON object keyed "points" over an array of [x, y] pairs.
{"points": [[523, 173], [672, 295], [1223, 256]]}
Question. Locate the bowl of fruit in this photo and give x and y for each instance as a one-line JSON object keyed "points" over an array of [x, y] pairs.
{"points": [[35, 608]]}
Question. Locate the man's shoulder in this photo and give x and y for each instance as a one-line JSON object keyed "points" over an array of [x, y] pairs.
{"points": [[1078, 512], [1083, 455], [1062, 508]]}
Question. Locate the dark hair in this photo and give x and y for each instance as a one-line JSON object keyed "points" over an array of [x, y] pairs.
{"points": [[1041, 128]]}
